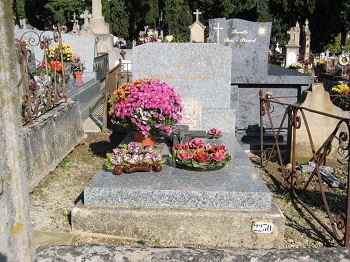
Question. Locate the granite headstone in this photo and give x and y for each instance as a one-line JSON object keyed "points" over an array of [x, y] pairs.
{"points": [[249, 42], [197, 71]]}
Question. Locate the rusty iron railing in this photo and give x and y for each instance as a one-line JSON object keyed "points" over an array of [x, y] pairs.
{"points": [[114, 78], [44, 87], [309, 189]]}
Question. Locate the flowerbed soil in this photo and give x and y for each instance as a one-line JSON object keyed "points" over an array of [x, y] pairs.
{"points": [[54, 198]]}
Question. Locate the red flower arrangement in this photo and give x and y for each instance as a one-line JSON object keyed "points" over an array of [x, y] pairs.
{"points": [[198, 154], [214, 133]]}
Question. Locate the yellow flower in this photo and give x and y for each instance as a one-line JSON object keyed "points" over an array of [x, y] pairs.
{"points": [[341, 89]]}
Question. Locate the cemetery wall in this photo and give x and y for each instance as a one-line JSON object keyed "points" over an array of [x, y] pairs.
{"points": [[50, 139]]}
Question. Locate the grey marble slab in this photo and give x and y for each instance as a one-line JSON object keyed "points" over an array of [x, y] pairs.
{"points": [[237, 185]]}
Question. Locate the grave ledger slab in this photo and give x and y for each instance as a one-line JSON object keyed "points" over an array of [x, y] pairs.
{"points": [[180, 207]]}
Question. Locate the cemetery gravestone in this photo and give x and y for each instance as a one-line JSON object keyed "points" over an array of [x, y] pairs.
{"points": [[249, 42], [97, 22], [250, 71], [292, 48], [197, 30], [180, 206], [200, 72], [100, 28], [320, 126]]}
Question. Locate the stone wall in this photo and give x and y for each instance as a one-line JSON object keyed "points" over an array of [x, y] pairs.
{"points": [[50, 139]]}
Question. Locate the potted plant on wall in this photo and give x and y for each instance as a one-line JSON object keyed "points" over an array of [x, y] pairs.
{"points": [[147, 107]]}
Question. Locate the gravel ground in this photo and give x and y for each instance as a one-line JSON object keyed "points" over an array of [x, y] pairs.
{"points": [[54, 198]]}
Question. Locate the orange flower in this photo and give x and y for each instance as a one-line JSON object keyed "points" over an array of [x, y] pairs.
{"points": [[57, 65], [201, 156]]}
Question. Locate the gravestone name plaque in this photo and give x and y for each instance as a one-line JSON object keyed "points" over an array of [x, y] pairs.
{"points": [[249, 42], [198, 72]]}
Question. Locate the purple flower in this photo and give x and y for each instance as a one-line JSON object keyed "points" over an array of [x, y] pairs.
{"points": [[115, 160], [134, 148]]}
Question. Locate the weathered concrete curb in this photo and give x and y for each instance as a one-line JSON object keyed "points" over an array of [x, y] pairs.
{"points": [[46, 238], [109, 253], [50, 139]]}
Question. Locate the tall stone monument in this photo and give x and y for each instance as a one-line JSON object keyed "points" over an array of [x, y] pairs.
{"points": [[248, 40], [292, 48], [306, 40], [100, 28], [97, 21]]}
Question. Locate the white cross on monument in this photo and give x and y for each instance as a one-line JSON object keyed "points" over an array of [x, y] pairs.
{"points": [[86, 16], [218, 33], [197, 13]]}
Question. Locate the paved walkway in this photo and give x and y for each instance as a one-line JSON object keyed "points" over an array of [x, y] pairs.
{"points": [[94, 122]]}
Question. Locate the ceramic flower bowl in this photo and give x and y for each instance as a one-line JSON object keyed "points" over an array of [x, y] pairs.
{"points": [[199, 169], [120, 169]]}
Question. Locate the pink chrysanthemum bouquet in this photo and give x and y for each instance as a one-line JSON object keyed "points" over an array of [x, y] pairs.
{"points": [[147, 105]]}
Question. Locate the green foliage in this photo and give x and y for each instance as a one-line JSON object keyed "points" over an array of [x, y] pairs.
{"points": [[128, 18], [18, 8], [119, 19], [177, 18], [37, 14], [40, 190], [335, 46], [65, 163], [63, 10]]}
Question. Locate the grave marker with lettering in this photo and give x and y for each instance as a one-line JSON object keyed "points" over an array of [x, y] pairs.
{"points": [[199, 72], [249, 42]]}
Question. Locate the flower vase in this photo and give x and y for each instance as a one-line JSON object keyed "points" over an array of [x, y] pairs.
{"points": [[78, 78], [150, 140], [78, 74]]}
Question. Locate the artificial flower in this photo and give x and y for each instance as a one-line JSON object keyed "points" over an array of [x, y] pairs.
{"points": [[199, 154], [147, 105]]}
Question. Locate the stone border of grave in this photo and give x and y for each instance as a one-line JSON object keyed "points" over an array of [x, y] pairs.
{"points": [[46, 142], [110, 253]]}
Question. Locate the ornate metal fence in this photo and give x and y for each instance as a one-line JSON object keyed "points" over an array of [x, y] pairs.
{"points": [[332, 210], [45, 86]]}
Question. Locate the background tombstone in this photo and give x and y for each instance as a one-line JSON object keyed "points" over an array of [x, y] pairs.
{"points": [[249, 42], [199, 72], [306, 41], [292, 48], [97, 21], [100, 28], [85, 29], [80, 45], [197, 30], [251, 72], [320, 126]]}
